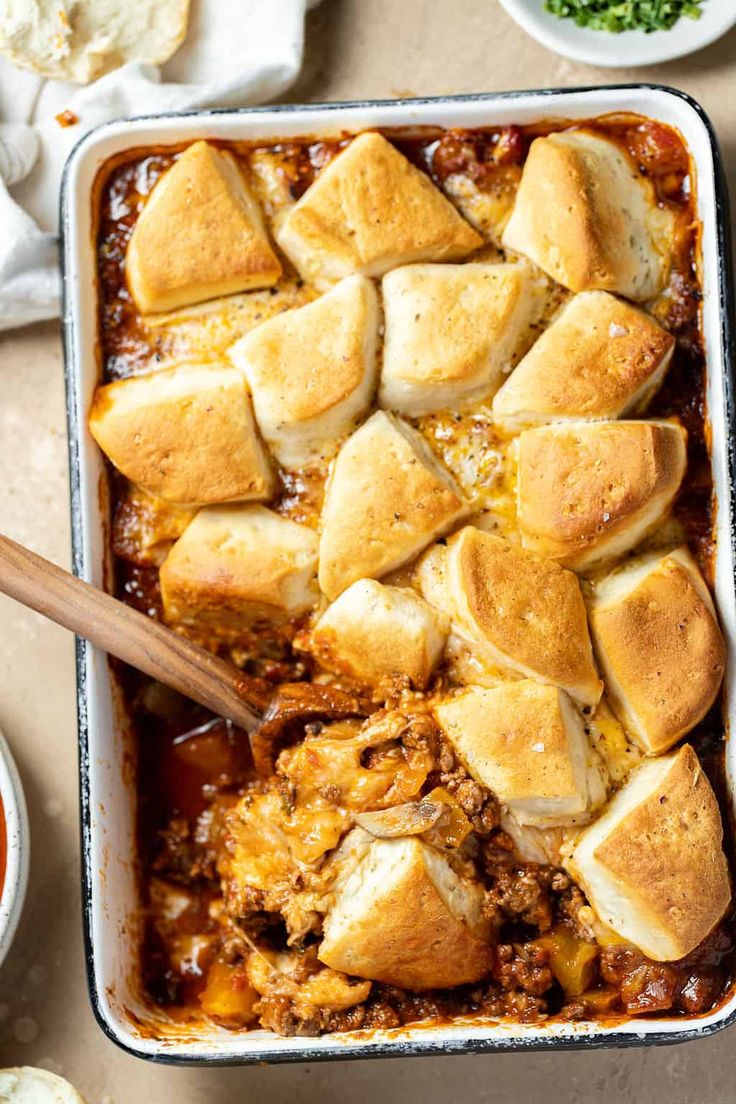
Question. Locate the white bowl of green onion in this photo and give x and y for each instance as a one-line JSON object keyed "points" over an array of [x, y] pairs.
{"points": [[624, 33]]}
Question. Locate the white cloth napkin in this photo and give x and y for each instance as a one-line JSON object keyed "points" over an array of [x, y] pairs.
{"points": [[236, 52]]}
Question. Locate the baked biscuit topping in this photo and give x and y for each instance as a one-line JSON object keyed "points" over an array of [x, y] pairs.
{"points": [[441, 527]]}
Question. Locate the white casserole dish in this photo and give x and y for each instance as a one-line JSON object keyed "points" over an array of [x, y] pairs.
{"points": [[111, 908]]}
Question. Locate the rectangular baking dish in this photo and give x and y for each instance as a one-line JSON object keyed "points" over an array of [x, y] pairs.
{"points": [[111, 906]]}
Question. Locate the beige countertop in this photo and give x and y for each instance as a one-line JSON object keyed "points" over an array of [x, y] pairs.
{"points": [[356, 48]]}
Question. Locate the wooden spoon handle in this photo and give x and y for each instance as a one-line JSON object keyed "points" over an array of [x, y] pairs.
{"points": [[125, 633]]}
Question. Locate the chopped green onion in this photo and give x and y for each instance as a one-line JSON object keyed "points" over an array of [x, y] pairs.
{"points": [[625, 15]]}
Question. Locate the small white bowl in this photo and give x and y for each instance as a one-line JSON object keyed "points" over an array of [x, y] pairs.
{"points": [[18, 848], [629, 48]]}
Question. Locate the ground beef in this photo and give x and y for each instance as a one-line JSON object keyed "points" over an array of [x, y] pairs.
{"points": [[180, 854], [276, 1012], [523, 966], [478, 803], [569, 900], [521, 892], [524, 1006]]}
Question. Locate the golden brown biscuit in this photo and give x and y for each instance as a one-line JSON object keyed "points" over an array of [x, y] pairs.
{"points": [[404, 917], [452, 332], [588, 492], [586, 216], [659, 646], [186, 434], [235, 565], [368, 211], [600, 358], [652, 865], [387, 497], [199, 235], [312, 371], [526, 742], [521, 615], [374, 632], [81, 42]]}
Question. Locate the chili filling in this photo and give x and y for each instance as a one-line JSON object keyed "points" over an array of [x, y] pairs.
{"points": [[193, 767]]}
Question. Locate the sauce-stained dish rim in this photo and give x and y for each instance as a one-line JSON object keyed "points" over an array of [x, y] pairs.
{"points": [[462, 111]]}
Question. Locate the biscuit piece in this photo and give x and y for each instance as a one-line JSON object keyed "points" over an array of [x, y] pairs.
{"points": [[525, 742], [588, 492], [186, 434], [72, 41], [235, 565], [368, 211], [522, 615], [587, 217], [452, 332], [659, 646], [26, 1085], [405, 917], [652, 865], [312, 371], [200, 235], [600, 358], [374, 632], [388, 496]]}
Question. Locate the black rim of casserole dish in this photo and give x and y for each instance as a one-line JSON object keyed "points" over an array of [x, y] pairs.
{"points": [[388, 1047]]}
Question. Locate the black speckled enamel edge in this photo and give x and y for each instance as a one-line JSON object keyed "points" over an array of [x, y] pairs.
{"points": [[270, 1053]]}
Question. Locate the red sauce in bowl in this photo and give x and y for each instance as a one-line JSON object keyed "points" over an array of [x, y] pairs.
{"points": [[3, 846]]}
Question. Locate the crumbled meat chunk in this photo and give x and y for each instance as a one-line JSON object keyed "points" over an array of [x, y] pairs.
{"points": [[298, 995], [469, 796], [181, 855], [520, 892], [525, 1006], [523, 966]]}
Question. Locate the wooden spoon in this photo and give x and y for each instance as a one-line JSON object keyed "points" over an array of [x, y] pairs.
{"points": [[129, 635]]}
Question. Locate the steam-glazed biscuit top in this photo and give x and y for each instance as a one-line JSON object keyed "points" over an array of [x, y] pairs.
{"points": [[368, 211], [586, 216], [406, 918], [237, 565], [199, 235], [375, 632]]}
